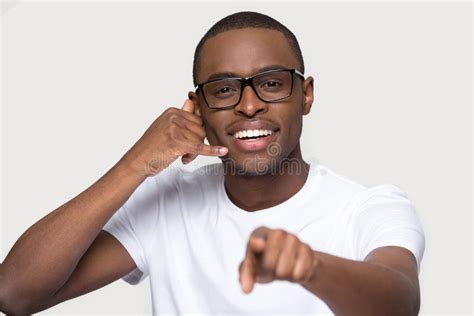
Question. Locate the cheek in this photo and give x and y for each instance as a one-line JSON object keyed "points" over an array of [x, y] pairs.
{"points": [[297, 118], [294, 131], [212, 127], [211, 135], [294, 121]]}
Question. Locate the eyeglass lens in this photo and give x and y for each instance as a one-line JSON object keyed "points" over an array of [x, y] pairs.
{"points": [[269, 87]]}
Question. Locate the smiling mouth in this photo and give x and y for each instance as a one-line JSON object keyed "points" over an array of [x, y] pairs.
{"points": [[254, 140], [252, 134]]}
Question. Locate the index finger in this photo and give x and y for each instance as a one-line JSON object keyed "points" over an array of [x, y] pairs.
{"points": [[260, 233], [207, 150], [248, 267]]}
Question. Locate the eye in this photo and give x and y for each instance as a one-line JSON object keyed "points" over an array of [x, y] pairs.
{"points": [[225, 90], [270, 84]]}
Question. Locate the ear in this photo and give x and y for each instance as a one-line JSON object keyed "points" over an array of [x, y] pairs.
{"points": [[308, 91], [195, 99]]}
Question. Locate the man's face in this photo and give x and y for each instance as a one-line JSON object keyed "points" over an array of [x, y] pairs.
{"points": [[244, 53]]}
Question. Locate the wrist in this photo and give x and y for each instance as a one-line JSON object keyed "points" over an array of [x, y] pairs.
{"points": [[129, 167], [310, 281]]}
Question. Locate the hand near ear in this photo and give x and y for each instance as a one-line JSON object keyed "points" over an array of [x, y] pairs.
{"points": [[176, 132], [189, 107]]}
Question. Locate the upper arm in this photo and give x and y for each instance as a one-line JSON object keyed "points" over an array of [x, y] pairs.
{"points": [[398, 259], [105, 261]]}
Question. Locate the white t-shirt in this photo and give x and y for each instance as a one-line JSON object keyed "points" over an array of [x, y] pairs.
{"points": [[183, 232]]}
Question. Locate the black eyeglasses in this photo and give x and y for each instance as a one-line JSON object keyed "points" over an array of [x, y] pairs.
{"points": [[269, 86]]}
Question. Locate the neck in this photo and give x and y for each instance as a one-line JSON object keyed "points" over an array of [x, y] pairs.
{"points": [[257, 192]]}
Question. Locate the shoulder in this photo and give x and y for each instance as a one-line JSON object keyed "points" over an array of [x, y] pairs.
{"points": [[334, 181], [355, 198], [331, 189], [385, 196]]}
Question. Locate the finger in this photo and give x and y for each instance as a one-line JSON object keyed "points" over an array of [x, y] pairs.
{"points": [[193, 144], [192, 117], [188, 111], [184, 124], [270, 255], [304, 264], [247, 274], [287, 258], [195, 128], [261, 232], [256, 245], [199, 148], [248, 267], [257, 240], [188, 106]]}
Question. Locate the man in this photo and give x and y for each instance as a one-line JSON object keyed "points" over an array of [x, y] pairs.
{"points": [[261, 232]]}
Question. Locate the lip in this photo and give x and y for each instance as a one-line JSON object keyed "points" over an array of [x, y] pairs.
{"points": [[256, 144], [252, 145], [256, 124]]}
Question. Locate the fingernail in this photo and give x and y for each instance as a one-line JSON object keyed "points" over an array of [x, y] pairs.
{"points": [[223, 150]]}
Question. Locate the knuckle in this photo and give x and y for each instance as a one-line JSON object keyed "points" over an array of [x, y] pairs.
{"points": [[298, 275], [199, 146], [307, 249], [267, 265], [291, 239], [283, 272], [173, 117], [173, 131], [279, 233], [258, 231], [170, 110]]}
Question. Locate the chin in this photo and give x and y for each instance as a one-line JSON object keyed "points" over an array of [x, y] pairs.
{"points": [[252, 166]]}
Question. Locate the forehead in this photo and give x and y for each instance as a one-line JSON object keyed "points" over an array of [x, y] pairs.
{"points": [[244, 52]]}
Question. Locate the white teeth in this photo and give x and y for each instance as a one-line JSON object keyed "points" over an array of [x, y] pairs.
{"points": [[252, 133]]}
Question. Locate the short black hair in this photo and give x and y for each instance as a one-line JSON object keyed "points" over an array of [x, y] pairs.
{"points": [[247, 19]]}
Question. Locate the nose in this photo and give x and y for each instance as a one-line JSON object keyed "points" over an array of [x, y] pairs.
{"points": [[250, 104]]}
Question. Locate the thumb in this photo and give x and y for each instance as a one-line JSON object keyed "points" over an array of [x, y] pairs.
{"points": [[188, 106]]}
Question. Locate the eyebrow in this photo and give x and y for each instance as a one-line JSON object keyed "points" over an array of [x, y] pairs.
{"points": [[221, 75]]}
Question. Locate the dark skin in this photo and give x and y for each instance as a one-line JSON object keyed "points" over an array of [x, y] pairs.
{"points": [[386, 283], [66, 253], [257, 49]]}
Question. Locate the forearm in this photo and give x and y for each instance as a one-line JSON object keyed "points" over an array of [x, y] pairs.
{"points": [[360, 288], [44, 257]]}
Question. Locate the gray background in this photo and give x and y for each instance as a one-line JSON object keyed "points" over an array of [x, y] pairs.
{"points": [[81, 82]]}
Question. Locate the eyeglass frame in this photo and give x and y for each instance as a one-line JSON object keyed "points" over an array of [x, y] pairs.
{"points": [[248, 81]]}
